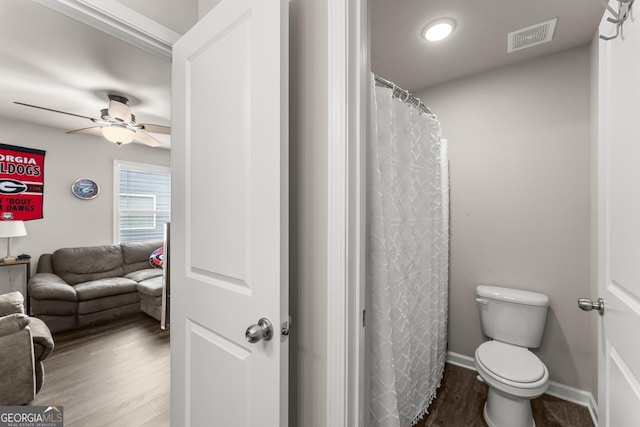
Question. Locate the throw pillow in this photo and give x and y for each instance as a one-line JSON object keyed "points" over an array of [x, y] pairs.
{"points": [[156, 258]]}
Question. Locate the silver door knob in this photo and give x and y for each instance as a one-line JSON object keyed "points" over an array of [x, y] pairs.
{"points": [[262, 331], [587, 304]]}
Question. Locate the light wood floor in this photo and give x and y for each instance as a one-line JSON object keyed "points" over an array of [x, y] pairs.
{"points": [[113, 375], [461, 398], [117, 375]]}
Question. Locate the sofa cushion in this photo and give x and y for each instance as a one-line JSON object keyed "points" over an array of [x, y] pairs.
{"points": [[147, 273], [136, 254], [11, 303], [151, 287], [104, 288], [77, 265], [49, 286]]}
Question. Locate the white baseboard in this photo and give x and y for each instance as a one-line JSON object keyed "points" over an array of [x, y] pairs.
{"points": [[460, 360], [561, 391]]}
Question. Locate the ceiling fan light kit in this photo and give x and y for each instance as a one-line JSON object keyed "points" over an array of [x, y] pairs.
{"points": [[116, 123], [117, 134]]}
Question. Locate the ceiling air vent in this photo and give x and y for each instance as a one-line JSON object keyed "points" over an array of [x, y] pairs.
{"points": [[531, 36]]}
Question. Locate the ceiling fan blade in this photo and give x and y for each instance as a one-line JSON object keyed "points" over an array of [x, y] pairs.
{"points": [[95, 130], [147, 139], [51, 109], [119, 111], [165, 130]]}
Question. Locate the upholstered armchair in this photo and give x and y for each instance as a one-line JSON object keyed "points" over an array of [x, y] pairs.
{"points": [[24, 343]]}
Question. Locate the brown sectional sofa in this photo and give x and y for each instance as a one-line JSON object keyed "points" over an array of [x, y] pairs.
{"points": [[76, 287]]}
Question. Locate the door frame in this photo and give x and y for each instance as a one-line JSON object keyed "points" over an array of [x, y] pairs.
{"points": [[348, 86]]}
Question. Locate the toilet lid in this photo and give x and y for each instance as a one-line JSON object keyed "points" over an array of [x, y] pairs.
{"points": [[510, 362]]}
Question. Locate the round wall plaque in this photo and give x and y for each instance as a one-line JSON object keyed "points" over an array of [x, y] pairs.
{"points": [[85, 189]]}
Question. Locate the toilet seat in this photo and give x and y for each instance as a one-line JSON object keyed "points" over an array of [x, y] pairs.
{"points": [[511, 369], [509, 362]]}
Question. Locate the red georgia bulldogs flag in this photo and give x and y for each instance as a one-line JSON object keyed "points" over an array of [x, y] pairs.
{"points": [[21, 182]]}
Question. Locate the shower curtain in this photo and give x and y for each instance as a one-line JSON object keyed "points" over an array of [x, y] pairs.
{"points": [[408, 258]]}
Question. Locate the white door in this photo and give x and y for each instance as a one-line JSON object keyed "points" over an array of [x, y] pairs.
{"points": [[619, 225], [229, 230]]}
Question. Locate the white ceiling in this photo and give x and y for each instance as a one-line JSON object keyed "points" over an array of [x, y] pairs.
{"points": [[479, 43], [51, 60]]}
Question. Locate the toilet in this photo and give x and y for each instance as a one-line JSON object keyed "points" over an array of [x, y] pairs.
{"points": [[514, 319]]}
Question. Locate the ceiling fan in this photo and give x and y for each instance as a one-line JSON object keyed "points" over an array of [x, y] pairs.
{"points": [[116, 123]]}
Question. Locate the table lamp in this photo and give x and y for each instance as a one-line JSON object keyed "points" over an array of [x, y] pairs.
{"points": [[11, 229]]}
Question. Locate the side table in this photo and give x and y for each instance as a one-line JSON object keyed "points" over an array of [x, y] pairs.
{"points": [[27, 265]]}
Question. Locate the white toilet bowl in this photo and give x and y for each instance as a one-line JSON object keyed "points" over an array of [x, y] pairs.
{"points": [[515, 376]]}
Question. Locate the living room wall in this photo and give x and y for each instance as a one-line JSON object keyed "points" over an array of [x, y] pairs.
{"points": [[69, 221]]}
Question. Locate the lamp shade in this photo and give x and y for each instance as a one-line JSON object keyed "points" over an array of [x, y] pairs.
{"points": [[118, 134], [12, 229]]}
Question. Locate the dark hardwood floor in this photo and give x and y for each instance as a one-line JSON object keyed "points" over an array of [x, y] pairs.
{"points": [[461, 398], [113, 375], [117, 375]]}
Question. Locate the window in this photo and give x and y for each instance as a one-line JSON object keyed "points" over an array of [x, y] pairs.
{"points": [[143, 201]]}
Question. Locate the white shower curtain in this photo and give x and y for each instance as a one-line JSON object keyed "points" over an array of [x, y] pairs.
{"points": [[408, 258]]}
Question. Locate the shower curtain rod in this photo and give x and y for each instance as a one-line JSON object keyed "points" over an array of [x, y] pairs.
{"points": [[404, 95]]}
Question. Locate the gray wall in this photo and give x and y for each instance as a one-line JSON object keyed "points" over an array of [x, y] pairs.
{"points": [[69, 221], [519, 147]]}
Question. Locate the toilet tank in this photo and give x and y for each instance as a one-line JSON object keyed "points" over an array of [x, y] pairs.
{"points": [[513, 316]]}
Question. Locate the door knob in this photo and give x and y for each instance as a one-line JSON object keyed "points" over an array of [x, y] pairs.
{"points": [[587, 304], [262, 331]]}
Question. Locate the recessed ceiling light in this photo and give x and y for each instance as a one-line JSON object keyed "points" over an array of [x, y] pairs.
{"points": [[439, 30]]}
